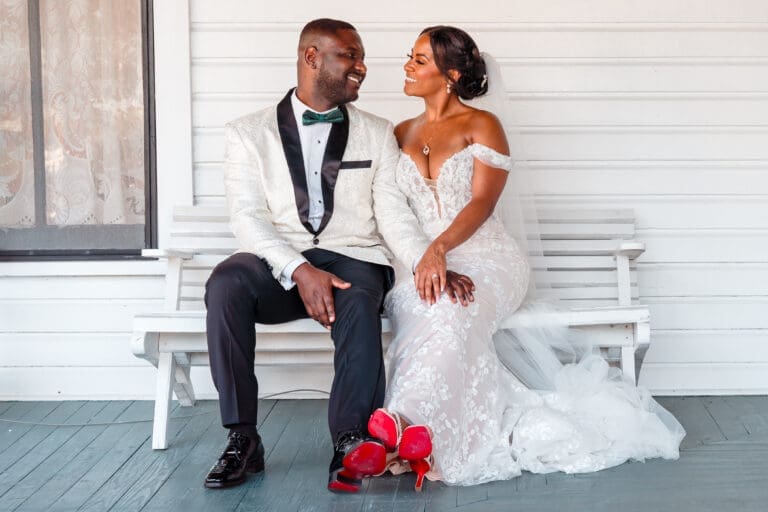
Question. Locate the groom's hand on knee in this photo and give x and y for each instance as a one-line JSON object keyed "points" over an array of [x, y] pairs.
{"points": [[316, 291]]}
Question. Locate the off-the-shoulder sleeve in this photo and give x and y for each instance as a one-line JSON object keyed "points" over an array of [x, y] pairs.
{"points": [[491, 157]]}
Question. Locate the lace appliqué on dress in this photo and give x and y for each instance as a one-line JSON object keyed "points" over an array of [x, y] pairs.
{"points": [[442, 368]]}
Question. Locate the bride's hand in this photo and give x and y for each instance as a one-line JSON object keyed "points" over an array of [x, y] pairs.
{"points": [[430, 275], [459, 288]]}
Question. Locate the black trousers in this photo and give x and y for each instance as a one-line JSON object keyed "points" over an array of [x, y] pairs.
{"points": [[242, 291]]}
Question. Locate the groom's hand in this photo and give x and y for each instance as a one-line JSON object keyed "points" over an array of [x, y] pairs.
{"points": [[316, 291], [459, 288]]}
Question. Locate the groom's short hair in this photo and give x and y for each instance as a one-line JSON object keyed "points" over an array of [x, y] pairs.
{"points": [[324, 26]]}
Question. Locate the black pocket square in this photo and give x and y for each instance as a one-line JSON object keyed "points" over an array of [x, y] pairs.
{"points": [[355, 164]]}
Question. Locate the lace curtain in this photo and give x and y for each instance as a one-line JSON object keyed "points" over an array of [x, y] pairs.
{"points": [[16, 171], [93, 113]]}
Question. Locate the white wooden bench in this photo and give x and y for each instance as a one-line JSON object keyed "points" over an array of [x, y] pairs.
{"points": [[589, 254]]}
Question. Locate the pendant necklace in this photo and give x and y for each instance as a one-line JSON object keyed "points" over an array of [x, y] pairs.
{"points": [[426, 148]]}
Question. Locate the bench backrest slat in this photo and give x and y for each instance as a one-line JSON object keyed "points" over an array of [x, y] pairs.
{"points": [[577, 245]]}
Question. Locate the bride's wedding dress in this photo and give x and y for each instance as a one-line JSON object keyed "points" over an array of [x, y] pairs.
{"points": [[443, 370]]}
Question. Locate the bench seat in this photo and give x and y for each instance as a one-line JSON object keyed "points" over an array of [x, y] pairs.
{"points": [[589, 256]]}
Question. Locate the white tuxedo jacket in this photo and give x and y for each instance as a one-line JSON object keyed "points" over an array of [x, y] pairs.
{"points": [[267, 195]]}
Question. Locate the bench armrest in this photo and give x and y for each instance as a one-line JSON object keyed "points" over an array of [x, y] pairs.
{"points": [[630, 249], [174, 258]]}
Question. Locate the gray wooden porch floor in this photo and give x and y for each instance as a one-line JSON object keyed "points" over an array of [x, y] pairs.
{"points": [[100, 459]]}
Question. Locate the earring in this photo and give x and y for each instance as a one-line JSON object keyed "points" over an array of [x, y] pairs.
{"points": [[448, 87]]}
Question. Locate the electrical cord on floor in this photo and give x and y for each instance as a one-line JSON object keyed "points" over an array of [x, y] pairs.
{"points": [[265, 397]]}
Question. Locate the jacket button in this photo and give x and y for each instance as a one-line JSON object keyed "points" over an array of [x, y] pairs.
{"points": [[315, 241]]}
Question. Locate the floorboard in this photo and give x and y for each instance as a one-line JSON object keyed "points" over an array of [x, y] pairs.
{"points": [[40, 441], [276, 487], [97, 456], [751, 410], [275, 420], [162, 466], [699, 424], [20, 419], [96, 465], [183, 488], [41, 488], [726, 417], [128, 461]]}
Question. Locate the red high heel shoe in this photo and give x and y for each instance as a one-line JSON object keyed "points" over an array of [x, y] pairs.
{"points": [[420, 467], [385, 426], [416, 448]]}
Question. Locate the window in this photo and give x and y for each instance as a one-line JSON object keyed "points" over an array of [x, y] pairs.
{"points": [[76, 159]]}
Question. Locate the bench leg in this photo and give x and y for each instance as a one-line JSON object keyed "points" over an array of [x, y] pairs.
{"points": [[165, 370], [182, 385], [628, 363]]}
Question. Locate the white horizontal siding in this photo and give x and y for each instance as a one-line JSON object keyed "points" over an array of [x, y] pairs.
{"points": [[419, 14], [705, 378], [543, 108], [659, 106], [523, 40], [635, 74], [592, 143], [73, 319], [745, 346]]}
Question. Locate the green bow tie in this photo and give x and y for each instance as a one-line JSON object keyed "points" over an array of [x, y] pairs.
{"points": [[334, 116]]}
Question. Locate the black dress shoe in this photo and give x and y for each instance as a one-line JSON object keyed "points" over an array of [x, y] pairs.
{"points": [[243, 454], [356, 456]]}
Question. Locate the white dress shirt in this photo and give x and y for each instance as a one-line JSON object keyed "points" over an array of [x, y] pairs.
{"points": [[313, 138]]}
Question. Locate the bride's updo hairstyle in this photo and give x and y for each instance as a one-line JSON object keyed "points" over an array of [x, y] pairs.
{"points": [[455, 49]]}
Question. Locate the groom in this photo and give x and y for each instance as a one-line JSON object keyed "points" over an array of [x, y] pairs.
{"points": [[307, 181]]}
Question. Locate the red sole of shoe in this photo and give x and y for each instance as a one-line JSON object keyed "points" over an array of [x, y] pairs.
{"points": [[383, 427], [416, 443], [367, 459], [344, 481], [343, 487]]}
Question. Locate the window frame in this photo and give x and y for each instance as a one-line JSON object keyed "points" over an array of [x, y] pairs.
{"points": [[150, 159]]}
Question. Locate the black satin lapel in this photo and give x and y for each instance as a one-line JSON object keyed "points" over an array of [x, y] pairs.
{"points": [[289, 136], [334, 152]]}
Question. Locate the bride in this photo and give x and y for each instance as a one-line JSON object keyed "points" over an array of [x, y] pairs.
{"points": [[453, 411]]}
